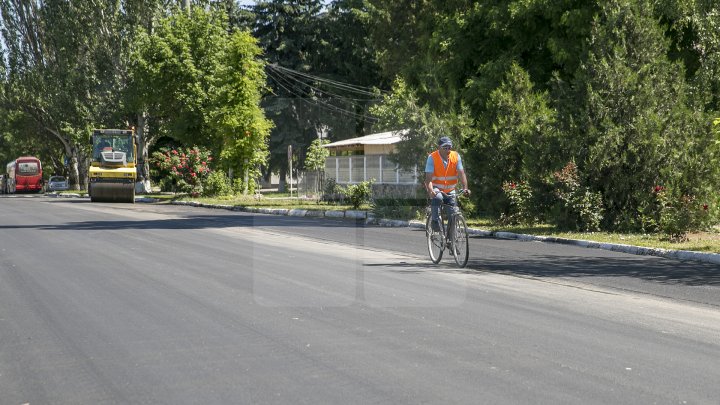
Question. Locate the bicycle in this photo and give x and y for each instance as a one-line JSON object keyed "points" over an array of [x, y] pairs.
{"points": [[454, 237]]}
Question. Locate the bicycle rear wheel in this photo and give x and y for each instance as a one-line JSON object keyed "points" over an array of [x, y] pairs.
{"points": [[461, 245], [435, 241]]}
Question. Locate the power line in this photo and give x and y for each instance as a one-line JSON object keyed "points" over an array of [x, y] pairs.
{"points": [[319, 91], [294, 82], [309, 94], [332, 83], [289, 87]]}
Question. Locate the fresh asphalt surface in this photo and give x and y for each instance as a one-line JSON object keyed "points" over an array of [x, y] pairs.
{"points": [[162, 304]]}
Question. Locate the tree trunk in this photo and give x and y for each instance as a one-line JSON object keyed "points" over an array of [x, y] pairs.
{"points": [[143, 185], [75, 182], [246, 179], [83, 172]]}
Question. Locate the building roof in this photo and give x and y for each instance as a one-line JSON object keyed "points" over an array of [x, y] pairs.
{"points": [[382, 138]]}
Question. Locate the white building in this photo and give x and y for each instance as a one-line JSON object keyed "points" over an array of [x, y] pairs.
{"points": [[365, 158]]}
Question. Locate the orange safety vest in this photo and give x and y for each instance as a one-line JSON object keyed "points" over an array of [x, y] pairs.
{"points": [[445, 178]]}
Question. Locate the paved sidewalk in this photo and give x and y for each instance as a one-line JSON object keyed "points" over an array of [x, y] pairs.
{"points": [[369, 218]]}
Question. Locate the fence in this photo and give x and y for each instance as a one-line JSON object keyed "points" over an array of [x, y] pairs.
{"points": [[356, 169], [309, 184], [388, 178]]}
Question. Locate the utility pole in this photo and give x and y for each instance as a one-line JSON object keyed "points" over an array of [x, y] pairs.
{"points": [[290, 164], [186, 5]]}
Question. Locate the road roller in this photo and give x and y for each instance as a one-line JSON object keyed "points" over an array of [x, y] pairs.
{"points": [[112, 169]]}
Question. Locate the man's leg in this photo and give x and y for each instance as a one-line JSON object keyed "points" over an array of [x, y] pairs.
{"points": [[452, 207], [435, 205]]}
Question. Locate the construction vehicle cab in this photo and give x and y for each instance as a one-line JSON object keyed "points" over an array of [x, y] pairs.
{"points": [[113, 169]]}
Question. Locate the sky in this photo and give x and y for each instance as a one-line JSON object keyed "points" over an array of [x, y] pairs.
{"points": [[252, 2]]}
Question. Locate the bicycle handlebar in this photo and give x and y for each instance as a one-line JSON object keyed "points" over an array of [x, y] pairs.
{"points": [[460, 191]]}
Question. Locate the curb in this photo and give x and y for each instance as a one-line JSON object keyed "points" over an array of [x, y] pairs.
{"points": [[683, 255], [369, 218]]}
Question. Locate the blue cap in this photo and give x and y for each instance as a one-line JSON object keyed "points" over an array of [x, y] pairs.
{"points": [[445, 141]]}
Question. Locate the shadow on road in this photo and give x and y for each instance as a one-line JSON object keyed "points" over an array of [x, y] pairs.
{"points": [[194, 222], [544, 260], [658, 270]]}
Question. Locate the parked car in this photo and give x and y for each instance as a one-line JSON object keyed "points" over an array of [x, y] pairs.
{"points": [[57, 183]]}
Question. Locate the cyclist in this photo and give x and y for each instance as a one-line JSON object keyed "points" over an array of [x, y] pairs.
{"points": [[443, 168]]}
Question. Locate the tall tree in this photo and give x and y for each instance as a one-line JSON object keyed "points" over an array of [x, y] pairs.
{"points": [[347, 60], [288, 32], [64, 70], [635, 126], [202, 85]]}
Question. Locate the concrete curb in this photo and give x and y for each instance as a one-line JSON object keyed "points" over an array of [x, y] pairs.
{"points": [[618, 247], [369, 218], [62, 195]]}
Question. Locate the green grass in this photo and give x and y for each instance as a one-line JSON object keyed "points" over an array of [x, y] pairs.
{"points": [[272, 200], [708, 241]]}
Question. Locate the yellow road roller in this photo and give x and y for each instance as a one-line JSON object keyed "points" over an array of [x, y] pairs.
{"points": [[112, 168]]}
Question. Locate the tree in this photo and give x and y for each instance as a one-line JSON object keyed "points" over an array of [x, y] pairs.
{"points": [[202, 85], [288, 33], [635, 126], [419, 127], [315, 160], [348, 70], [515, 139], [63, 70]]}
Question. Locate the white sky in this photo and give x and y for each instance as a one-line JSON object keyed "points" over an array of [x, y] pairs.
{"points": [[252, 2]]}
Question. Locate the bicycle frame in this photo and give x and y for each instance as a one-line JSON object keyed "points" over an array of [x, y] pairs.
{"points": [[446, 237]]}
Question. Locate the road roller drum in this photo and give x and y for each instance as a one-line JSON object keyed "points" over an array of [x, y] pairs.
{"points": [[112, 192], [113, 171]]}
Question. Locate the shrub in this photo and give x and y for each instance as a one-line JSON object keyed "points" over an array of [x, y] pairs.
{"points": [[182, 170], [238, 186], [216, 184], [677, 214], [577, 207], [359, 193], [333, 192], [521, 210], [399, 208]]}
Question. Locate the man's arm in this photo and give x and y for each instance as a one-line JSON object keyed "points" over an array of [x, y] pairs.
{"points": [[464, 181], [429, 185]]}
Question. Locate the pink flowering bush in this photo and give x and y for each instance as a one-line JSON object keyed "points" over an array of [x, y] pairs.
{"points": [[577, 207], [521, 209], [679, 213], [181, 169]]}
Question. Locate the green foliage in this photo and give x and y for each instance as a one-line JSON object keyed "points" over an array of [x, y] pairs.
{"points": [[216, 184], [346, 55], [289, 32], [578, 208], [63, 64], [515, 138], [629, 119], [239, 186], [398, 208], [181, 170], [316, 155], [676, 214], [419, 127], [200, 82], [522, 207], [333, 192], [360, 193]]}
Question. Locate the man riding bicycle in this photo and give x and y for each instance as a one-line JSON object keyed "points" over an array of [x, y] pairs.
{"points": [[442, 170]]}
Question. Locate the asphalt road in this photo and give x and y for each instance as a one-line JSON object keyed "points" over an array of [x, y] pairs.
{"points": [[159, 304]]}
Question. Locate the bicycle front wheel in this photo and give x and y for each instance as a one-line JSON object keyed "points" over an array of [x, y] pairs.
{"points": [[435, 241], [461, 245]]}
